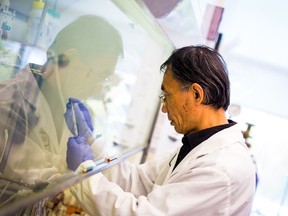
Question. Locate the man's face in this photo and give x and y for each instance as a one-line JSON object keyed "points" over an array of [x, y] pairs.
{"points": [[178, 104], [88, 78]]}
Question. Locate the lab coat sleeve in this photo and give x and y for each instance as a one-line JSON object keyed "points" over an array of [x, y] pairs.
{"points": [[126, 183], [97, 148], [137, 179], [98, 196], [204, 190], [12, 125]]}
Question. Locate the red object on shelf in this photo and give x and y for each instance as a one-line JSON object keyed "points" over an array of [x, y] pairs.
{"points": [[212, 18]]}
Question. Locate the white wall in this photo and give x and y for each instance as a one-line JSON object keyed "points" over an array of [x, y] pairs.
{"points": [[259, 85]]}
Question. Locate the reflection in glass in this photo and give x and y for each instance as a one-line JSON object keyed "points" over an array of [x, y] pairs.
{"points": [[33, 132], [123, 104]]}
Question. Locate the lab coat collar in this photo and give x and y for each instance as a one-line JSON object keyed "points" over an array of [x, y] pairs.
{"points": [[222, 139], [190, 141], [194, 139]]}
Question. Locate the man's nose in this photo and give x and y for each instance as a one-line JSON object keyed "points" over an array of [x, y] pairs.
{"points": [[164, 108]]}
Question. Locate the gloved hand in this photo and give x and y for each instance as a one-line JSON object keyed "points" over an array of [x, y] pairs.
{"points": [[82, 117], [78, 151]]}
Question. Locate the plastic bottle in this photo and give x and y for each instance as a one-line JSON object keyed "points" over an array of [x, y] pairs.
{"points": [[33, 25]]}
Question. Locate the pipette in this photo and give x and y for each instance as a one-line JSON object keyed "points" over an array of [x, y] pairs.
{"points": [[74, 119]]}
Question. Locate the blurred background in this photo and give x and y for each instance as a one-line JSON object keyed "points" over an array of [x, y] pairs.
{"points": [[250, 35], [252, 38]]}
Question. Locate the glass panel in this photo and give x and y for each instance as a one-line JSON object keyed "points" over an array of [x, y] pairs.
{"points": [[108, 60]]}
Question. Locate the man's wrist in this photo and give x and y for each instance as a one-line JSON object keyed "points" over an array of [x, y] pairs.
{"points": [[90, 140]]}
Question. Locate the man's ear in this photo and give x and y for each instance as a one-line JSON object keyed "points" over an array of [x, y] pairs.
{"points": [[197, 92], [65, 58]]}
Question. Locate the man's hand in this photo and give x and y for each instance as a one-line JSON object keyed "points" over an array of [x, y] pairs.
{"points": [[78, 151], [78, 119]]}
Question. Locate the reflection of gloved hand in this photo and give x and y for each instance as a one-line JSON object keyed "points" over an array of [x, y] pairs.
{"points": [[78, 151], [82, 118]]}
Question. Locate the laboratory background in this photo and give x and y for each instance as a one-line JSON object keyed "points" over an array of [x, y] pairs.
{"points": [[250, 35]]}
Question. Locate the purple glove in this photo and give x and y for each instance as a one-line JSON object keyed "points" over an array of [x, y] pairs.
{"points": [[81, 123], [78, 151]]}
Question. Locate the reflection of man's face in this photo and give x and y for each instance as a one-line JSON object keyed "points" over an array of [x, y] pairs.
{"points": [[87, 78]]}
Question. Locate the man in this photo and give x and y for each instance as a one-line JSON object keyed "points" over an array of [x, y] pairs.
{"points": [[211, 174]]}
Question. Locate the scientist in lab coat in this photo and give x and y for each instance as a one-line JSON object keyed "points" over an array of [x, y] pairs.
{"points": [[33, 132], [211, 174]]}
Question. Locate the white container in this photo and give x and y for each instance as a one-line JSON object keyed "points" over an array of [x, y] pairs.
{"points": [[34, 26]]}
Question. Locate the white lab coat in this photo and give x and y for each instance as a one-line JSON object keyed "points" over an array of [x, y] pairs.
{"points": [[216, 178], [39, 155]]}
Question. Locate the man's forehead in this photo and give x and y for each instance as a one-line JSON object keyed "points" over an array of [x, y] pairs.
{"points": [[168, 80]]}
